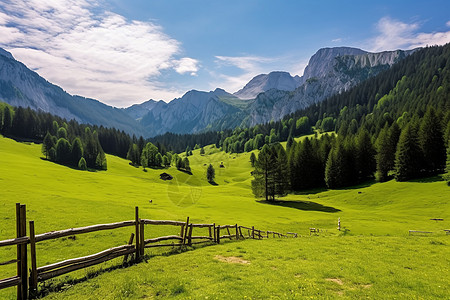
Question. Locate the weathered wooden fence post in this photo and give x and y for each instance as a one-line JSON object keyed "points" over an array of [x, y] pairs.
{"points": [[191, 227], [186, 227], [214, 232], [23, 251], [130, 242], [253, 232], [141, 232], [19, 251], [218, 234], [138, 236], [33, 274], [237, 232]]}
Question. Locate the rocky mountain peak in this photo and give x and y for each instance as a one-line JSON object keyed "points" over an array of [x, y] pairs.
{"points": [[323, 60], [274, 80], [5, 53]]}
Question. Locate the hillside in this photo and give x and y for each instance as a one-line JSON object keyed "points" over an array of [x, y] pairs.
{"points": [[375, 217]]}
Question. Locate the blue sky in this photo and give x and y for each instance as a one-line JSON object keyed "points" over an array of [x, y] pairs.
{"points": [[123, 52]]}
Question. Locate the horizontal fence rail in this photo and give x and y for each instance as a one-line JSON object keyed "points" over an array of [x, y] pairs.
{"points": [[27, 285]]}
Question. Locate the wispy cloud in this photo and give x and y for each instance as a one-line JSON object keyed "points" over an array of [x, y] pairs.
{"points": [[91, 51], [394, 34]]}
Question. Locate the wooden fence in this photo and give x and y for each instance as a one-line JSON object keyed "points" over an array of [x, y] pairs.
{"points": [[27, 284]]}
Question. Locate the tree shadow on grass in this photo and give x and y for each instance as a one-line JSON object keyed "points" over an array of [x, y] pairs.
{"points": [[302, 205], [432, 179]]}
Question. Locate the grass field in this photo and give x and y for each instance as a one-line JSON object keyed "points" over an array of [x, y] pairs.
{"points": [[372, 256]]}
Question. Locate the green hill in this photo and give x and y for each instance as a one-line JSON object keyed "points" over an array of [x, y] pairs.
{"points": [[372, 256]]}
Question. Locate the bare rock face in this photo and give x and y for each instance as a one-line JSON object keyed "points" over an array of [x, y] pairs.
{"points": [[274, 80]]}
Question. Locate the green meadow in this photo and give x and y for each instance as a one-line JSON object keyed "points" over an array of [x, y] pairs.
{"points": [[371, 257]]}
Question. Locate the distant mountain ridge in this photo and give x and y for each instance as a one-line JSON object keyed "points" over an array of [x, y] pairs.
{"points": [[329, 71], [20, 86]]}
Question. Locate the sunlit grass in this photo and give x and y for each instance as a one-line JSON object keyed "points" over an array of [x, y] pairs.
{"points": [[375, 220]]}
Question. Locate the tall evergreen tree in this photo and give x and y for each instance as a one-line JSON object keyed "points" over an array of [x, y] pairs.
{"points": [[76, 151], [432, 142], [134, 155], [252, 159], [210, 173], [63, 153], [447, 168], [408, 156], [281, 179], [385, 155], [47, 144], [365, 155], [7, 119], [265, 167]]}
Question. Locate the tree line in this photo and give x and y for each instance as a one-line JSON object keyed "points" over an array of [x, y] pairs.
{"points": [[419, 147]]}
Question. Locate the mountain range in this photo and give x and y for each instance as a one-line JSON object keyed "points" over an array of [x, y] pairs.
{"points": [[264, 98]]}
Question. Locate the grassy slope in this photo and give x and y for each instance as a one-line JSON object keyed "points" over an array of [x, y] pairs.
{"points": [[366, 260]]}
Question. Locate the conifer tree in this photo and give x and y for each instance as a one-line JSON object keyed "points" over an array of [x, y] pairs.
{"points": [[252, 159], [76, 151], [408, 155], [47, 145], [384, 155], [186, 165], [265, 166], [365, 155], [134, 154], [447, 168], [432, 142], [63, 153], [210, 173], [100, 161], [82, 164], [7, 119]]}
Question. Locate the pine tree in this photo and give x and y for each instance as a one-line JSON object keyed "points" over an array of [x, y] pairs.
{"points": [[365, 155], [63, 153], [252, 159], [282, 171], [408, 156], [336, 170], [47, 144], [432, 142], [265, 166], [134, 155], [210, 173], [7, 120], [447, 169], [384, 154], [186, 165], [100, 161], [82, 164], [76, 151]]}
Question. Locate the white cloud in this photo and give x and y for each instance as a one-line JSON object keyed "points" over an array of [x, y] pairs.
{"points": [[338, 40], [448, 23], [90, 51], [186, 65], [394, 34]]}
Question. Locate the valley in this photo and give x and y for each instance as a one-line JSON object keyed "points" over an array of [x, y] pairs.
{"points": [[371, 250]]}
